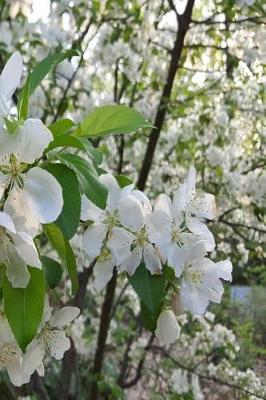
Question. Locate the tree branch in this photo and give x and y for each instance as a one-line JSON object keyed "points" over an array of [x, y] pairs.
{"points": [[183, 25]]}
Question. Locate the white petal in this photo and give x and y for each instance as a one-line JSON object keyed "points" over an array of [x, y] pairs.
{"points": [[194, 299], [180, 199], [89, 211], [64, 316], [26, 249], [197, 250], [119, 243], [59, 343], [16, 270], [33, 357], [164, 203], [3, 182], [6, 334], [93, 239], [177, 257], [16, 206], [114, 191], [152, 259], [27, 143], [201, 230], [6, 222], [203, 206], [132, 262], [224, 270], [131, 213], [11, 75], [159, 227], [168, 329], [16, 374], [40, 201], [145, 202], [103, 272]]}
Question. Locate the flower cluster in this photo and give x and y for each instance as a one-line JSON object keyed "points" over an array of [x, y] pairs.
{"points": [[29, 196], [173, 233]]}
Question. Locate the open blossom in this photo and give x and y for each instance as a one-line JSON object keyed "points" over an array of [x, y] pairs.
{"points": [[167, 330], [175, 225], [17, 250], [200, 281], [34, 195], [9, 81], [106, 239], [51, 338], [133, 213], [11, 355]]}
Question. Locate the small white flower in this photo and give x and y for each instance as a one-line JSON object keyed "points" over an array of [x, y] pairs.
{"points": [[132, 213], [200, 281], [175, 224], [11, 355], [17, 250], [51, 339], [34, 195], [167, 330]]}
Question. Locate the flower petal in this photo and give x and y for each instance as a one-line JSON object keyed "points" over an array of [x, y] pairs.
{"points": [[64, 316], [33, 357], [11, 75], [89, 211], [131, 213], [16, 270], [203, 206], [6, 222], [202, 231], [152, 259], [103, 272], [132, 262], [119, 243], [59, 343], [40, 201], [27, 143], [164, 203], [26, 249], [114, 191], [16, 374], [93, 239]]}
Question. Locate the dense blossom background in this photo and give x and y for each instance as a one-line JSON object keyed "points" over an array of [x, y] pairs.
{"points": [[215, 120]]}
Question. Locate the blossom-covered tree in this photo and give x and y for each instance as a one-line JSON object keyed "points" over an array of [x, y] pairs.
{"points": [[95, 96]]}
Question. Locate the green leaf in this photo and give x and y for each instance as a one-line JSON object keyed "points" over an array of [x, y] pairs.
{"points": [[69, 218], [53, 271], [88, 178], [112, 120], [150, 288], [61, 127], [24, 307], [23, 104], [65, 252], [123, 180], [149, 320], [38, 74]]}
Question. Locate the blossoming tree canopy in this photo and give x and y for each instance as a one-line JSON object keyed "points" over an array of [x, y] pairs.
{"points": [[52, 185]]}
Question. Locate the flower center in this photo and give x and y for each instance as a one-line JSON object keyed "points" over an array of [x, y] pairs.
{"points": [[194, 276], [14, 170], [8, 353], [111, 219], [142, 238], [104, 256]]}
